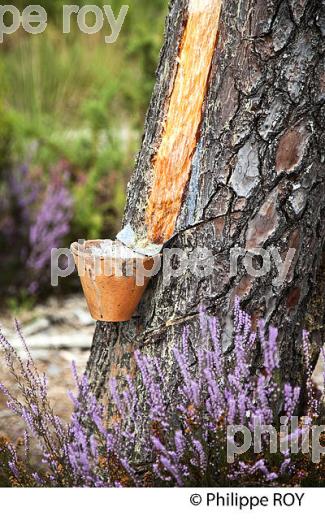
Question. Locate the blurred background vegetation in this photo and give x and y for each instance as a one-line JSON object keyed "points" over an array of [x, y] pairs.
{"points": [[71, 117]]}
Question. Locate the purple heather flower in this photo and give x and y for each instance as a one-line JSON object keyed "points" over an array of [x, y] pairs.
{"points": [[202, 455], [37, 216], [182, 440]]}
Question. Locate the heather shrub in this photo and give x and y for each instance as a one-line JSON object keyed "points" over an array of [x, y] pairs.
{"points": [[184, 440], [35, 216]]}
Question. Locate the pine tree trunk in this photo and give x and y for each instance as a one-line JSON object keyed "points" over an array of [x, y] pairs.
{"points": [[257, 180]]}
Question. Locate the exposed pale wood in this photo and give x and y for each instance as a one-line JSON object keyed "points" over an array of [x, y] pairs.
{"points": [[172, 164]]}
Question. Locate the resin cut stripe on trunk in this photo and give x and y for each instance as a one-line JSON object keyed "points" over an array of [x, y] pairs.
{"points": [[172, 163]]}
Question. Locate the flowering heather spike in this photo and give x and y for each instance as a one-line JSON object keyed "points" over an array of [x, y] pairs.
{"points": [[51, 226], [180, 444], [75, 374], [23, 342], [158, 445], [265, 410], [312, 404], [184, 369], [291, 398], [39, 481], [154, 391], [288, 399], [232, 406], [26, 444], [237, 312], [170, 468], [202, 455], [242, 407], [14, 470]]}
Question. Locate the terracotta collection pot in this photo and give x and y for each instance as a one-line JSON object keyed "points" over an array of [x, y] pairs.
{"points": [[111, 294]]}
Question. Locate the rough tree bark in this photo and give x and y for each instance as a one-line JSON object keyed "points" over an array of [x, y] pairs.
{"points": [[257, 180]]}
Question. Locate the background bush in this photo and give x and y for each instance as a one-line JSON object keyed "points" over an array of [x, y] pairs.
{"points": [[74, 105]]}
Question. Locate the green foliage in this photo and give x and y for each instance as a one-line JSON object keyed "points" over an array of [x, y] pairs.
{"points": [[75, 98], [6, 136]]}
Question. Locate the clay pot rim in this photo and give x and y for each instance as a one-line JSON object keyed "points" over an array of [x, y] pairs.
{"points": [[83, 250]]}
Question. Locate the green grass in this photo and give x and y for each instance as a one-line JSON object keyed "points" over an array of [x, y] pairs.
{"points": [[76, 98]]}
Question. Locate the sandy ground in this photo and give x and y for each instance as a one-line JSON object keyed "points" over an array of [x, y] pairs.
{"points": [[57, 333]]}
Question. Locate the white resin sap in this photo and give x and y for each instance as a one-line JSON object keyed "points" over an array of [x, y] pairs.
{"points": [[110, 249]]}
